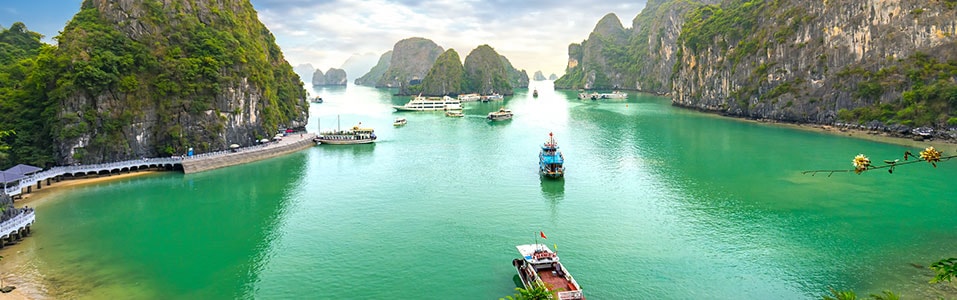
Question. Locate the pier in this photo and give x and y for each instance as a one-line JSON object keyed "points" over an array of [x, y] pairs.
{"points": [[188, 164], [16, 228]]}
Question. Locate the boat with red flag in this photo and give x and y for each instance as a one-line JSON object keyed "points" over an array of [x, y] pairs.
{"points": [[540, 266]]}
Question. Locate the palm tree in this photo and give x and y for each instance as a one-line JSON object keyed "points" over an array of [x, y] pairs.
{"points": [[537, 292]]}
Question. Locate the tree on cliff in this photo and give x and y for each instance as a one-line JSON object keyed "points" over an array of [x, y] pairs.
{"points": [[446, 77], [485, 72], [147, 79]]}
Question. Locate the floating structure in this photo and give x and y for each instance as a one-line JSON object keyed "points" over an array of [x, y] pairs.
{"points": [[469, 97], [493, 97], [597, 96], [501, 115], [540, 266], [355, 135], [420, 103], [551, 162], [399, 122]]}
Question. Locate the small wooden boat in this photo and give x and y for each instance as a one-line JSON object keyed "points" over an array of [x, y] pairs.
{"points": [[540, 266]]}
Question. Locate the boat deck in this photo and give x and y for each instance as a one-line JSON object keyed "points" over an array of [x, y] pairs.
{"points": [[555, 282]]}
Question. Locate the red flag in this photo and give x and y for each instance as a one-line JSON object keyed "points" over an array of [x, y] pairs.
{"points": [[542, 234]]}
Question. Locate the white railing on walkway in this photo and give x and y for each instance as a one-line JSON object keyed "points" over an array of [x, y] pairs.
{"points": [[30, 180], [11, 226]]}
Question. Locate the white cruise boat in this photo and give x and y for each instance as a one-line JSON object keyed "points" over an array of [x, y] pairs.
{"points": [[470, 97], [501, 115], [420, 103]]}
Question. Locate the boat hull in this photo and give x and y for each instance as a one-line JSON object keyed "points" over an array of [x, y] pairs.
{"points": [[344, 142]]}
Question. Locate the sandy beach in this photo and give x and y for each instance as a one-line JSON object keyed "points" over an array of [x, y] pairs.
{"points": [[11, 259]]}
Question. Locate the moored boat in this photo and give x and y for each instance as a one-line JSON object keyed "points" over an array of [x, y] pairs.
{"points": [[399, 122], [540, 266], [501, 115], [551, 162], [469, 97], [535, 93], [420, 103], [317, 99], [454, 113], [356, 135], [493, 97]]}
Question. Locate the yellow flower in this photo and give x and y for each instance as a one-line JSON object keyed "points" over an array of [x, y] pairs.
{"points": [[861, 163], [930, 154]]}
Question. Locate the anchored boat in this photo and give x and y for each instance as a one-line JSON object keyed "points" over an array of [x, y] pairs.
{"points": [[540, 265], [501, 115], [356, 135], [551, 162]]}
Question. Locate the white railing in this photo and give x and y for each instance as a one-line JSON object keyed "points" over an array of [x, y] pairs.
{"points": [[14, 224], [30, 180]]}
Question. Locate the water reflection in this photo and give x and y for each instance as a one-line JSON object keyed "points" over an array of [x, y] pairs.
{"points": [[358, 151], [553, 190]]}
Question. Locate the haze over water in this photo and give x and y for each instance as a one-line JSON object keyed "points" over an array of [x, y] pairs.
{"points": [[657, 203]]}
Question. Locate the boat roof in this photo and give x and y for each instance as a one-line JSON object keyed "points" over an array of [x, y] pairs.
{"points": [[553, 159], [528, 253]]}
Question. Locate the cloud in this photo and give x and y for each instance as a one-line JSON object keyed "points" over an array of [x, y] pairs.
{"points": [[534, 35]]}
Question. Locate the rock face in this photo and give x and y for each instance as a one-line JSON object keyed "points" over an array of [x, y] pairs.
{"points": [[332, 77], [538, 76], [411, 60], [305, 72], [638, 58], [486, 72], [805, 62], [359, 63], [447, 76], [875, 62], [371, 77], [517, 78], [153, 78]]}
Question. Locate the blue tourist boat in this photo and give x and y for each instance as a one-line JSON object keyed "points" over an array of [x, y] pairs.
{"points": [[550, 160]]}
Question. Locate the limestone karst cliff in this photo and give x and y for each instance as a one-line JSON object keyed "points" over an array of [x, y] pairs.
{"points": [[152, 78], [332, 77], [372, 76], [887, 63]]}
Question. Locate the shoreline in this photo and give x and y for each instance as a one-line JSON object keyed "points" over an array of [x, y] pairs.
{"points": [[874, 136], [9, 270]]}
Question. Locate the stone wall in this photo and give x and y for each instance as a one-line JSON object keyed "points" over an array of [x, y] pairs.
{"points": [[197, 165]]}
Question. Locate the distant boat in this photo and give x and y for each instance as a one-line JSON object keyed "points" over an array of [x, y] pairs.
{"points": [[501, 115], [356, 135], [469, 97], [399, 122], [454, 113], [596, 95], [493, 97], [535, 93], [317, 99], [420, 103], [551, 162], [540, 266]]}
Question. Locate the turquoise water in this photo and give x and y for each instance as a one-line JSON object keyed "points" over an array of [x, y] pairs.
{"points": [[657, 203]]}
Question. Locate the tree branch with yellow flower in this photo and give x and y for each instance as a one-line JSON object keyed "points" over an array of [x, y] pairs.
{"points": [[862, 163]]}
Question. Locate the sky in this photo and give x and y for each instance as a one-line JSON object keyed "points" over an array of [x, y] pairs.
{"points": [[534, 35]]}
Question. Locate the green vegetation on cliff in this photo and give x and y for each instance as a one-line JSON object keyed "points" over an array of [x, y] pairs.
{"points": [[25, 112], [371, 77], [152, 80], [485, 72], [928, 93], [446, 77]]}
